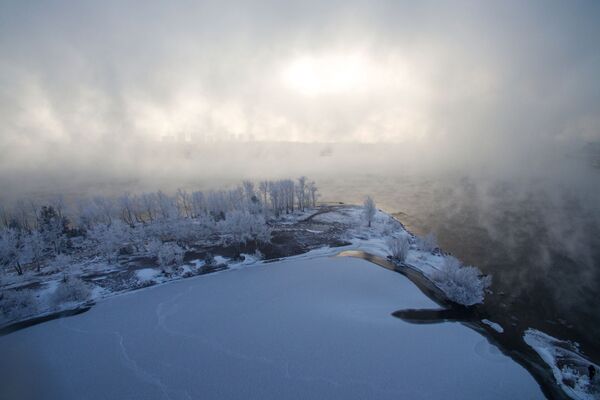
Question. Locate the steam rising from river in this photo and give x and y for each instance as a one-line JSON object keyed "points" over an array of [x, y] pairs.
{"points": [[119, 91]]}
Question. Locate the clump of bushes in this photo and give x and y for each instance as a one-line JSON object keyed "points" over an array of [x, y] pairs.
{"points": [[71, 290], [399, 247], [170, 256], [462, 284]]}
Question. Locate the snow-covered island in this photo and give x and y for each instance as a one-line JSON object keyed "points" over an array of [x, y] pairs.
{"points": [[269, 310]]}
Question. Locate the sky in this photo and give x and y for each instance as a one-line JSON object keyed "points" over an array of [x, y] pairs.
{"points": [[105, 87]]}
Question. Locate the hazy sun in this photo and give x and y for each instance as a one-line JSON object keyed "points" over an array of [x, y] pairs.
{"points": [[326, 74]]}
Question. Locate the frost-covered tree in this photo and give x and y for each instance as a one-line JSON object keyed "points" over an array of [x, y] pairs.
{"points": [[243, 227], [166, 206], [53, 228], [249, 193], [312, 191], [35, 247], [369, 210], [109, 239], [153, 247], [104, 209], [184, 203], [462, 284], [149, 203], [128, 207], [170, 256], [276, 197], [399, 247], [10, 249], [263, 188], [198, 204], [22, 216], [182, 230], [134, 220], [217, 204], [301, 193], [289, 193]]}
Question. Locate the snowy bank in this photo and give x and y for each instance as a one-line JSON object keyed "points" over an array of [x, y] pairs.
{"points": [[569, 367], [309, 233]]}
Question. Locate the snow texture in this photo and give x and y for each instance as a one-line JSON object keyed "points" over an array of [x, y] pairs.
{"points": [[569, 367], [494, 325], [311, 327]]}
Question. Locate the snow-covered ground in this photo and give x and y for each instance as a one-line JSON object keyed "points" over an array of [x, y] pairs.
{"points": [[309, 327], [569, 367]]}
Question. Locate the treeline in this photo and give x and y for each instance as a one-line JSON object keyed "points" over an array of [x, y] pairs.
{"points": [[156, 224]]}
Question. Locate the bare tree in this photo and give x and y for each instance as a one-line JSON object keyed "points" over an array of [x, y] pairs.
{"points": [[10, 249], [53, 228], [5, 217], [301, 192], [198, 204], [399, 247], [127, 209], [369, 210], [184, 202], [35, 245], [149, 202], [312, 190], [263, 188], [22, 217]]}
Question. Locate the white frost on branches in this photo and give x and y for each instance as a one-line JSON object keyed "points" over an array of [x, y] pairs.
{"points": [[170, 256], [369, 210], [462, 284], [243, 227], [109, 239], [399, 247]]}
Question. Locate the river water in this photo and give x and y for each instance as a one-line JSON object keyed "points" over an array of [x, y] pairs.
{"points": [[540, 241]]}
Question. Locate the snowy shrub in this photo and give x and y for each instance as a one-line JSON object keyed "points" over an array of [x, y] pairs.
{"points": [[462, 284], [10, 249], [109, 239], [188, 231], [209, 259], [153, 247], [71, 290], [389, 227], [18, 304], [369, 210], [399, 247], [34, 248], [243, 227], [572, 378], [428, 242], [259, 255], [170, 256]]}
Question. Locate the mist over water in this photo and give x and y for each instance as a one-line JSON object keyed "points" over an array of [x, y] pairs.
{"points": [[538, 235]]}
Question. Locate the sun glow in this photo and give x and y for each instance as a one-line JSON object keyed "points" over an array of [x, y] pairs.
{"points": [[327, 75]]}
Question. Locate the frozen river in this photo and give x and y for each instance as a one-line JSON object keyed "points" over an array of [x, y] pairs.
{"points": [[308, 328]]}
